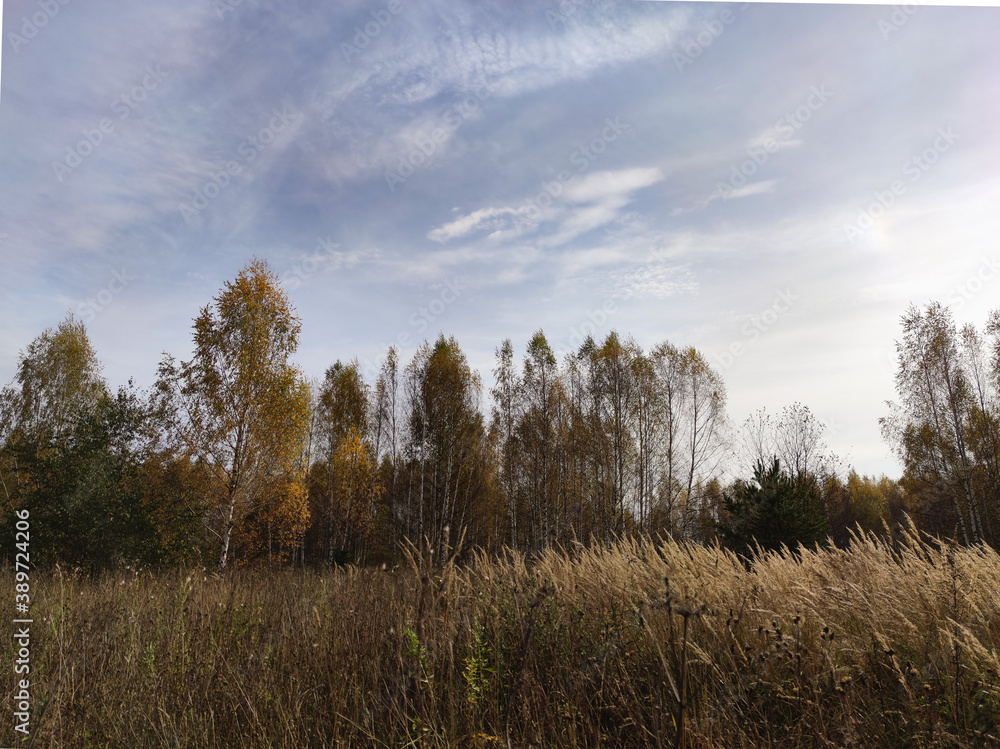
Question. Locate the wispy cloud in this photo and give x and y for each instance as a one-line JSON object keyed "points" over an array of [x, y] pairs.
{"points": [[582, 206], [483, 219]]}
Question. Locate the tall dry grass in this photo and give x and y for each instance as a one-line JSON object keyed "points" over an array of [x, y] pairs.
{"points": [[642, 644]]}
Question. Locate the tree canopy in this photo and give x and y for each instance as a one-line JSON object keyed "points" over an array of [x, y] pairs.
{"points": [[239, 405], [234, 455]]}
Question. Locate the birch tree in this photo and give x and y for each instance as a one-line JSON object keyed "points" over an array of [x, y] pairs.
{"points": [[929, 428], [239, 405], [507, 409], [446, 441]]}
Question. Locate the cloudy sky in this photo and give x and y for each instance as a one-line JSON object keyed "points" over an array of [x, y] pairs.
{"points": [[772, 184]]}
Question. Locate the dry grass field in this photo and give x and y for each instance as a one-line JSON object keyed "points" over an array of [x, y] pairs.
{"points": [[639, 645]]}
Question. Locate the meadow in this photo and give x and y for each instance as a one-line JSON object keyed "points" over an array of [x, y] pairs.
{"points": [[641, 644]]}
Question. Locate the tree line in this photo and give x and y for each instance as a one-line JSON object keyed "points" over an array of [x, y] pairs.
{"points": [[236, 455]]}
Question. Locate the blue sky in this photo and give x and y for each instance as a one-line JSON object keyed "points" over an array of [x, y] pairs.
{"points": [[772, 184]]}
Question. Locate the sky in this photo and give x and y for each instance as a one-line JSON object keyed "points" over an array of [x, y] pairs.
{"points": [[773, 184]]}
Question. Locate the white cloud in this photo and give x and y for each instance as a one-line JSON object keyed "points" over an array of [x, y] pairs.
{"points": [[754, 188], [602, 186], [654, 281], [475, 221], [774, 139], [452, 58], [594, 201]]}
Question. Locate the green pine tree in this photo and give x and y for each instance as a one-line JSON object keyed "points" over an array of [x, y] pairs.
{"points": [[771, 510]]}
